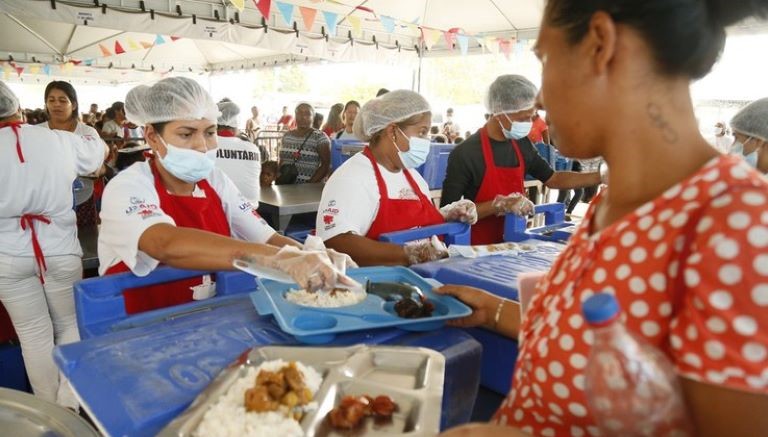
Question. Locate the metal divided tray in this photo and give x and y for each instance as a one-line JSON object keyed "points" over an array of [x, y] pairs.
{"points": [[320, 325], [412, 377]]}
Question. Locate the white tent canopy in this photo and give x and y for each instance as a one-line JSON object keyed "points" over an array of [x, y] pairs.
{"points": [[211, 35]]}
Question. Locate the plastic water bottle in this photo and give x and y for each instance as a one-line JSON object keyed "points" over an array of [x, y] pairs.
{"points": [[632, 388]]}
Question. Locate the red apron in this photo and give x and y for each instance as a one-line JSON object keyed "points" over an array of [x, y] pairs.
{"points": [[400, 214], [497, 180], [27, 220], [206, 214]]}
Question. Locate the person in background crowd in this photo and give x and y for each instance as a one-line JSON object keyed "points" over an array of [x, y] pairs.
{"points": [[40, 256], [539, 130], [238, 159], [489, 167], [440, 139], [434, 130], [317, 120], [334, 122], [62, 106], [381, 92], [458, 140], [179, 210], [305, 148], [93, 114], [286, 120], [451, 129], [750, 131], [679, 236], [130, 154], [253, 125], [720, 138], [350, 113], [379, 190], [113, 128], [269, 172]]}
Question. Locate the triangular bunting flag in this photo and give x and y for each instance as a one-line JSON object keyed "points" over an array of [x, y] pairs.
{"points": [[146, 45], [264, 6], [6, 73], [19, 70], [463, 41], [505, 46], [88, 62], [239, 4], [76, 62], [104, 51], [388, 23], [308, 15], [118, 48], [159, 40], [133, 45], [286, 10], [331, 19], [34, 69], [431, 37], [175, 38], [413, 28], [491, 44], [357, 27], [47, 69]]}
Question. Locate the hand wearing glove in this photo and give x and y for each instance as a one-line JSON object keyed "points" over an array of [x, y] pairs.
{"points": [[312, 270], [425, 250], [341, 261], [514, 203], [463, 211]]}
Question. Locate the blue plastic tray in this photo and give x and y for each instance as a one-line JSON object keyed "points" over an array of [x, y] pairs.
{"points": [[320, 325]]}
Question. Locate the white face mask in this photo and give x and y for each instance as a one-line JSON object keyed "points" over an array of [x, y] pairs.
{"points": [[418, 150], [738, 149], [188, 165], [518, 130]]}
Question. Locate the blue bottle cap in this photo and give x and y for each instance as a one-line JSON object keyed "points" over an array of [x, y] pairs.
{"points": [[600, 309]]}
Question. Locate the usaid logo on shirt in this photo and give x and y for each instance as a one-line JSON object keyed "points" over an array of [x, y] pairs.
{"points": [[247, 207], [329, 214], [142, 208]]}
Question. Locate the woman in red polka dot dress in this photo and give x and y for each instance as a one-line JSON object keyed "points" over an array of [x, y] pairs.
{"points": [[680, 236]]}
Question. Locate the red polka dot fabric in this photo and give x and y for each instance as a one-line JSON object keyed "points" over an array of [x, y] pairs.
{"points": [[690, 270]]}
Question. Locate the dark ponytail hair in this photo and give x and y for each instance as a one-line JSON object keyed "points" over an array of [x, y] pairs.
{"points": [[69, 90], [685, 36]]}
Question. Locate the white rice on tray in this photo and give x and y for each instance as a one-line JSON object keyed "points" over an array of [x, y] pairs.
{"points": [[323, 299], [228, 418]]}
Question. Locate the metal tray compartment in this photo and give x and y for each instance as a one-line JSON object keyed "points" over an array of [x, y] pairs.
{"points": [[412, 377]]}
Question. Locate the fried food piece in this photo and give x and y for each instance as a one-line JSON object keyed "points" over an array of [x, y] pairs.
{"points": [[353, 409], [293, 377], [383, 406], [257, 399]]}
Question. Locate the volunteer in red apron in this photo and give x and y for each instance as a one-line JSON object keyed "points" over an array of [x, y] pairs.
{"points": [[489, 167], [379, 191], [40, 256], [177, 209]]}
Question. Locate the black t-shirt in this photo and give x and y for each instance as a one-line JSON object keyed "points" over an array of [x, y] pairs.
{"points": [[466, 166]]}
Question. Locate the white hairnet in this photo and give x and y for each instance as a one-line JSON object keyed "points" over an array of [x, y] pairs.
{"points": [[173, 98], [510, 93], [392, 107], [9, 104], [752, 120], [228, 114]]}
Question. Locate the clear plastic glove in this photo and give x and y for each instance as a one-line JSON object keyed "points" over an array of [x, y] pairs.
{"points": [[312, 270], [341, 261], [463, 211], [425, 250], [514, 203]]}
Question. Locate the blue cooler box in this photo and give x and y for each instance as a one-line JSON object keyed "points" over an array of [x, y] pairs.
{"points": [[136, 373]]}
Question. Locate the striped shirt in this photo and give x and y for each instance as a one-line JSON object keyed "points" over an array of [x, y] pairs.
{"points": [[308, 160]]}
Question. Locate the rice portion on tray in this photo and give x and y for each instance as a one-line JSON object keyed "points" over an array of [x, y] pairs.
{"points": [[325, 299], [228, 417]]}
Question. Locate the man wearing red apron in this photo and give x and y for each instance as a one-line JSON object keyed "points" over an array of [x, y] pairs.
{"points": [[490, 166]]}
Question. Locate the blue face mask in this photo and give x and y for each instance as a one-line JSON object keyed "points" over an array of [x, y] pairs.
{"points": [[188, 165], [518, 130], [418, 150], [738, 149]]}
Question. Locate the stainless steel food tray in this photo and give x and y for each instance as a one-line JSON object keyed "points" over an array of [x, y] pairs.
{"points": [[412, 377], [24, 415]]}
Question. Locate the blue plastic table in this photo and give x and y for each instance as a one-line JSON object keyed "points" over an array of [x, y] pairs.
{"points": [[498, 275], [136, 373]]}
